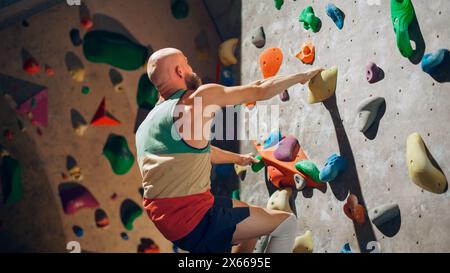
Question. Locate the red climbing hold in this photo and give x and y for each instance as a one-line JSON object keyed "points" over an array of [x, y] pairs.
{"points": [[103, 117], [8, 134], [49, 70], [31, 66], [86, 23], [354, 210]]}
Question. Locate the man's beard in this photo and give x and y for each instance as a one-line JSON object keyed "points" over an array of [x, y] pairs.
{"points": [[192, 81]]}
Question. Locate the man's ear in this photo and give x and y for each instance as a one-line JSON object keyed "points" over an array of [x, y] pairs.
{"points": [[179, 71]]}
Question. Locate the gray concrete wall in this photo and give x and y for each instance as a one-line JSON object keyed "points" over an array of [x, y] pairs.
{"points": [[377, 171]]}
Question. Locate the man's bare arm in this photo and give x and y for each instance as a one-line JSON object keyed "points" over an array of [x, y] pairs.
{"points": [[219, 156]]}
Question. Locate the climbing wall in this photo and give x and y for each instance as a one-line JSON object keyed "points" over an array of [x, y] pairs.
{"points": [[39, 222], [377, 169]]}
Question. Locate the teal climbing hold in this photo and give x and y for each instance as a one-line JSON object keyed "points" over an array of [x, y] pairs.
{"points": [[431, 61], [309, 168], [147, 94], [273, 139], [111, 48], [309, 19], [402, 13], [334, 165], [180, 9], [236, 194], [279, 4], [129, 212], [11, 177], [256, 167], [335, 14], [346, 248], [118, 153]]}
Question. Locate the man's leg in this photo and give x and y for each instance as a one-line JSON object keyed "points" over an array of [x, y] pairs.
{"points": [[280, 225]]}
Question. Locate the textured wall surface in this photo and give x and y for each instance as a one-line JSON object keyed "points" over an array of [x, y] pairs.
{"points": [[38, 223], [377, 169]]}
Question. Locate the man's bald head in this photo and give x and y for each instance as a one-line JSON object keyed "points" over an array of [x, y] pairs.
{"points": [[169, 70]]}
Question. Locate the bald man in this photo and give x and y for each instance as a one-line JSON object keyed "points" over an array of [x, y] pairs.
{"points": [[175, 162]]}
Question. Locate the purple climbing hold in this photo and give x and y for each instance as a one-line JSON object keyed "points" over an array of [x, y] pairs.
{"points": [[287, 149], [284, 96], [373, 73], [74, 197]]}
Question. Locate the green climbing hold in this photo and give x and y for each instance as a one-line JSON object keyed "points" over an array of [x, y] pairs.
{"points": [[114, 49], [402, 12], [256, 167], [309, 19], [11, 177], [279, 4], [236, 194], [119, 155], [180, 9], [147, 94], [129, 211], [85, 90], [309, 168]]}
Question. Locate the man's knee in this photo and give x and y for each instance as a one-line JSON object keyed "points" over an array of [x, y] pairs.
{"points": [[287, 226]]}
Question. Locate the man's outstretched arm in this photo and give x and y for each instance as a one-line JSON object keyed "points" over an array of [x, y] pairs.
{"points": [[219, 156], [215, 94]]}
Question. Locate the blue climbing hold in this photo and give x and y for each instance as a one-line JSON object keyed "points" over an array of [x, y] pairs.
{"points": [[346, 248], [124, 236], [226, 77], [273, 139], [333, 166], [431, 61], [75, 37], [335, 14], [78, 231]]}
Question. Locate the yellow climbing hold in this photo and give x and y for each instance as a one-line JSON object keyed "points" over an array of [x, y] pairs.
{"points": [[421, 170], [226, 52], [279, 200], [241, 171], [304, 243], [322, 86], [77, 74]]}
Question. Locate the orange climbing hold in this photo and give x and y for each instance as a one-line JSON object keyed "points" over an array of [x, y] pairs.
{"points": [[307, 54], [31, 66], [103, 117], [86, 23], [354, 210]]}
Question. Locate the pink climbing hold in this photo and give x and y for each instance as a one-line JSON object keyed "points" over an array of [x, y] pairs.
{"points": [[74, 197], [287, 149], [37, 106], [373, 73], [8, 134]]}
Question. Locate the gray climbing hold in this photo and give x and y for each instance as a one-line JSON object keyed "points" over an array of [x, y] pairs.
{"points": [[367, 112], [259, 37], [384, 213]]}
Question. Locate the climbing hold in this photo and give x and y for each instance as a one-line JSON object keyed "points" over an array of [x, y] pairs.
{"points": [[270, 61], [119, 155], [309, 19], [147, 245], [8, 134], [73, 168], [75, 67], [49, 70], [113, 196], [31, 66], [335, 14], [86, 23], [287, 149], [226, 52], [116, 80], [241, 171], [431, 61], [304, 243], [202, 45], [103, 117], [147, 94], [402, 13], [74, 197], [85, 90], [180, 9], [124, 236], [334, 165], [226, 77], [368, 111], [322, 86], [309, 168], [101, 219], [259, 37], [39, 131], [236, 194], [279, 200], [256, 167], [79, 124], [354, 210], [284, 96], [114, 49], [78, 231], [129, 211], [384, 214], [373, 73], [279, 4], [273, 139], [346, 248], [75, 37], [421, 169], [11, 177], [307, 53]]}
